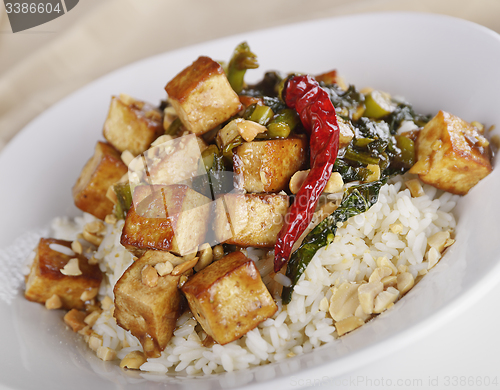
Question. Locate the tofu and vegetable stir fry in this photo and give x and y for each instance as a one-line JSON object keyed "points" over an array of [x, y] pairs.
{"points": [[225, 193]]}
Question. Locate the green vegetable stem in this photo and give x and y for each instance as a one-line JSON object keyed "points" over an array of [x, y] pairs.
{"points": [[241, 60]]}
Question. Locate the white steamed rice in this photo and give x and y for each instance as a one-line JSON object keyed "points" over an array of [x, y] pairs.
{"points": [[304, 324]]}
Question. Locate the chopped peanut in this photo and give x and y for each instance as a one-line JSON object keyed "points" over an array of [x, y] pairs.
{"points": [[405, 282], [187, 265], [76, 247], [164, 268], [95, 227], [86, 331], [479, 126], [110, 219], [148, 344], [360, 313], [149, 276], [106, 303], [344, 301], [92, 318], [348, 324], [297, 180], [206, 258], [389, 281], [396, 228], [95, 342], [379, 274], [248, 129], [182, 281], [375, 175], [74, 319], [335, 183], [218, 252], [438, 240], [92, 238], [188, 257], [53, 303], [106, 354], [71, 268], [433, 256], [367, 293], [423, 272], [127, 157], [111, 195], [133, 361], [384, 299], [323, 304], [87, 295], [385, 262], [415, 188]]}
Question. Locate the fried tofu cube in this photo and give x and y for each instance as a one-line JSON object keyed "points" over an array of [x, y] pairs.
{"points": [[101, 171], [250, 219], [132, 124], [170, 218], [148, 311], [202, 96], [452, 155], [267, 166], [228, 298], [47, 276]]}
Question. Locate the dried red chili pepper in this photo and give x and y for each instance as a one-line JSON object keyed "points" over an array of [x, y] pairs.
{"points": [[317, 114]]}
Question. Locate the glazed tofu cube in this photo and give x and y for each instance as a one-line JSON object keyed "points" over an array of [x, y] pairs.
{"points": [[101, 171], [250, 219], [56, 273], [148, 309], [452, 155], [132, 124], [173, 218], [267, 166], [202, 96], [228, 298]]}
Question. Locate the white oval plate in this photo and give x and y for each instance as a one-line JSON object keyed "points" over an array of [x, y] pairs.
{"points": [[436, 62]]}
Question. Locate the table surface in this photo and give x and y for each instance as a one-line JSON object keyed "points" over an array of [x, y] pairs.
{"points": [[40, 66]]}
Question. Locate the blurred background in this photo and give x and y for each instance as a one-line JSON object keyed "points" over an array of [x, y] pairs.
{"points": [[41, 65]]}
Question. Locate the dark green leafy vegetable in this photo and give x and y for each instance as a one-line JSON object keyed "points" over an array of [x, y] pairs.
{"points": [[349, 172], [350, 99], [274, 103], [268, 86], [405, 112], [241, 60], [357, 199]]}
